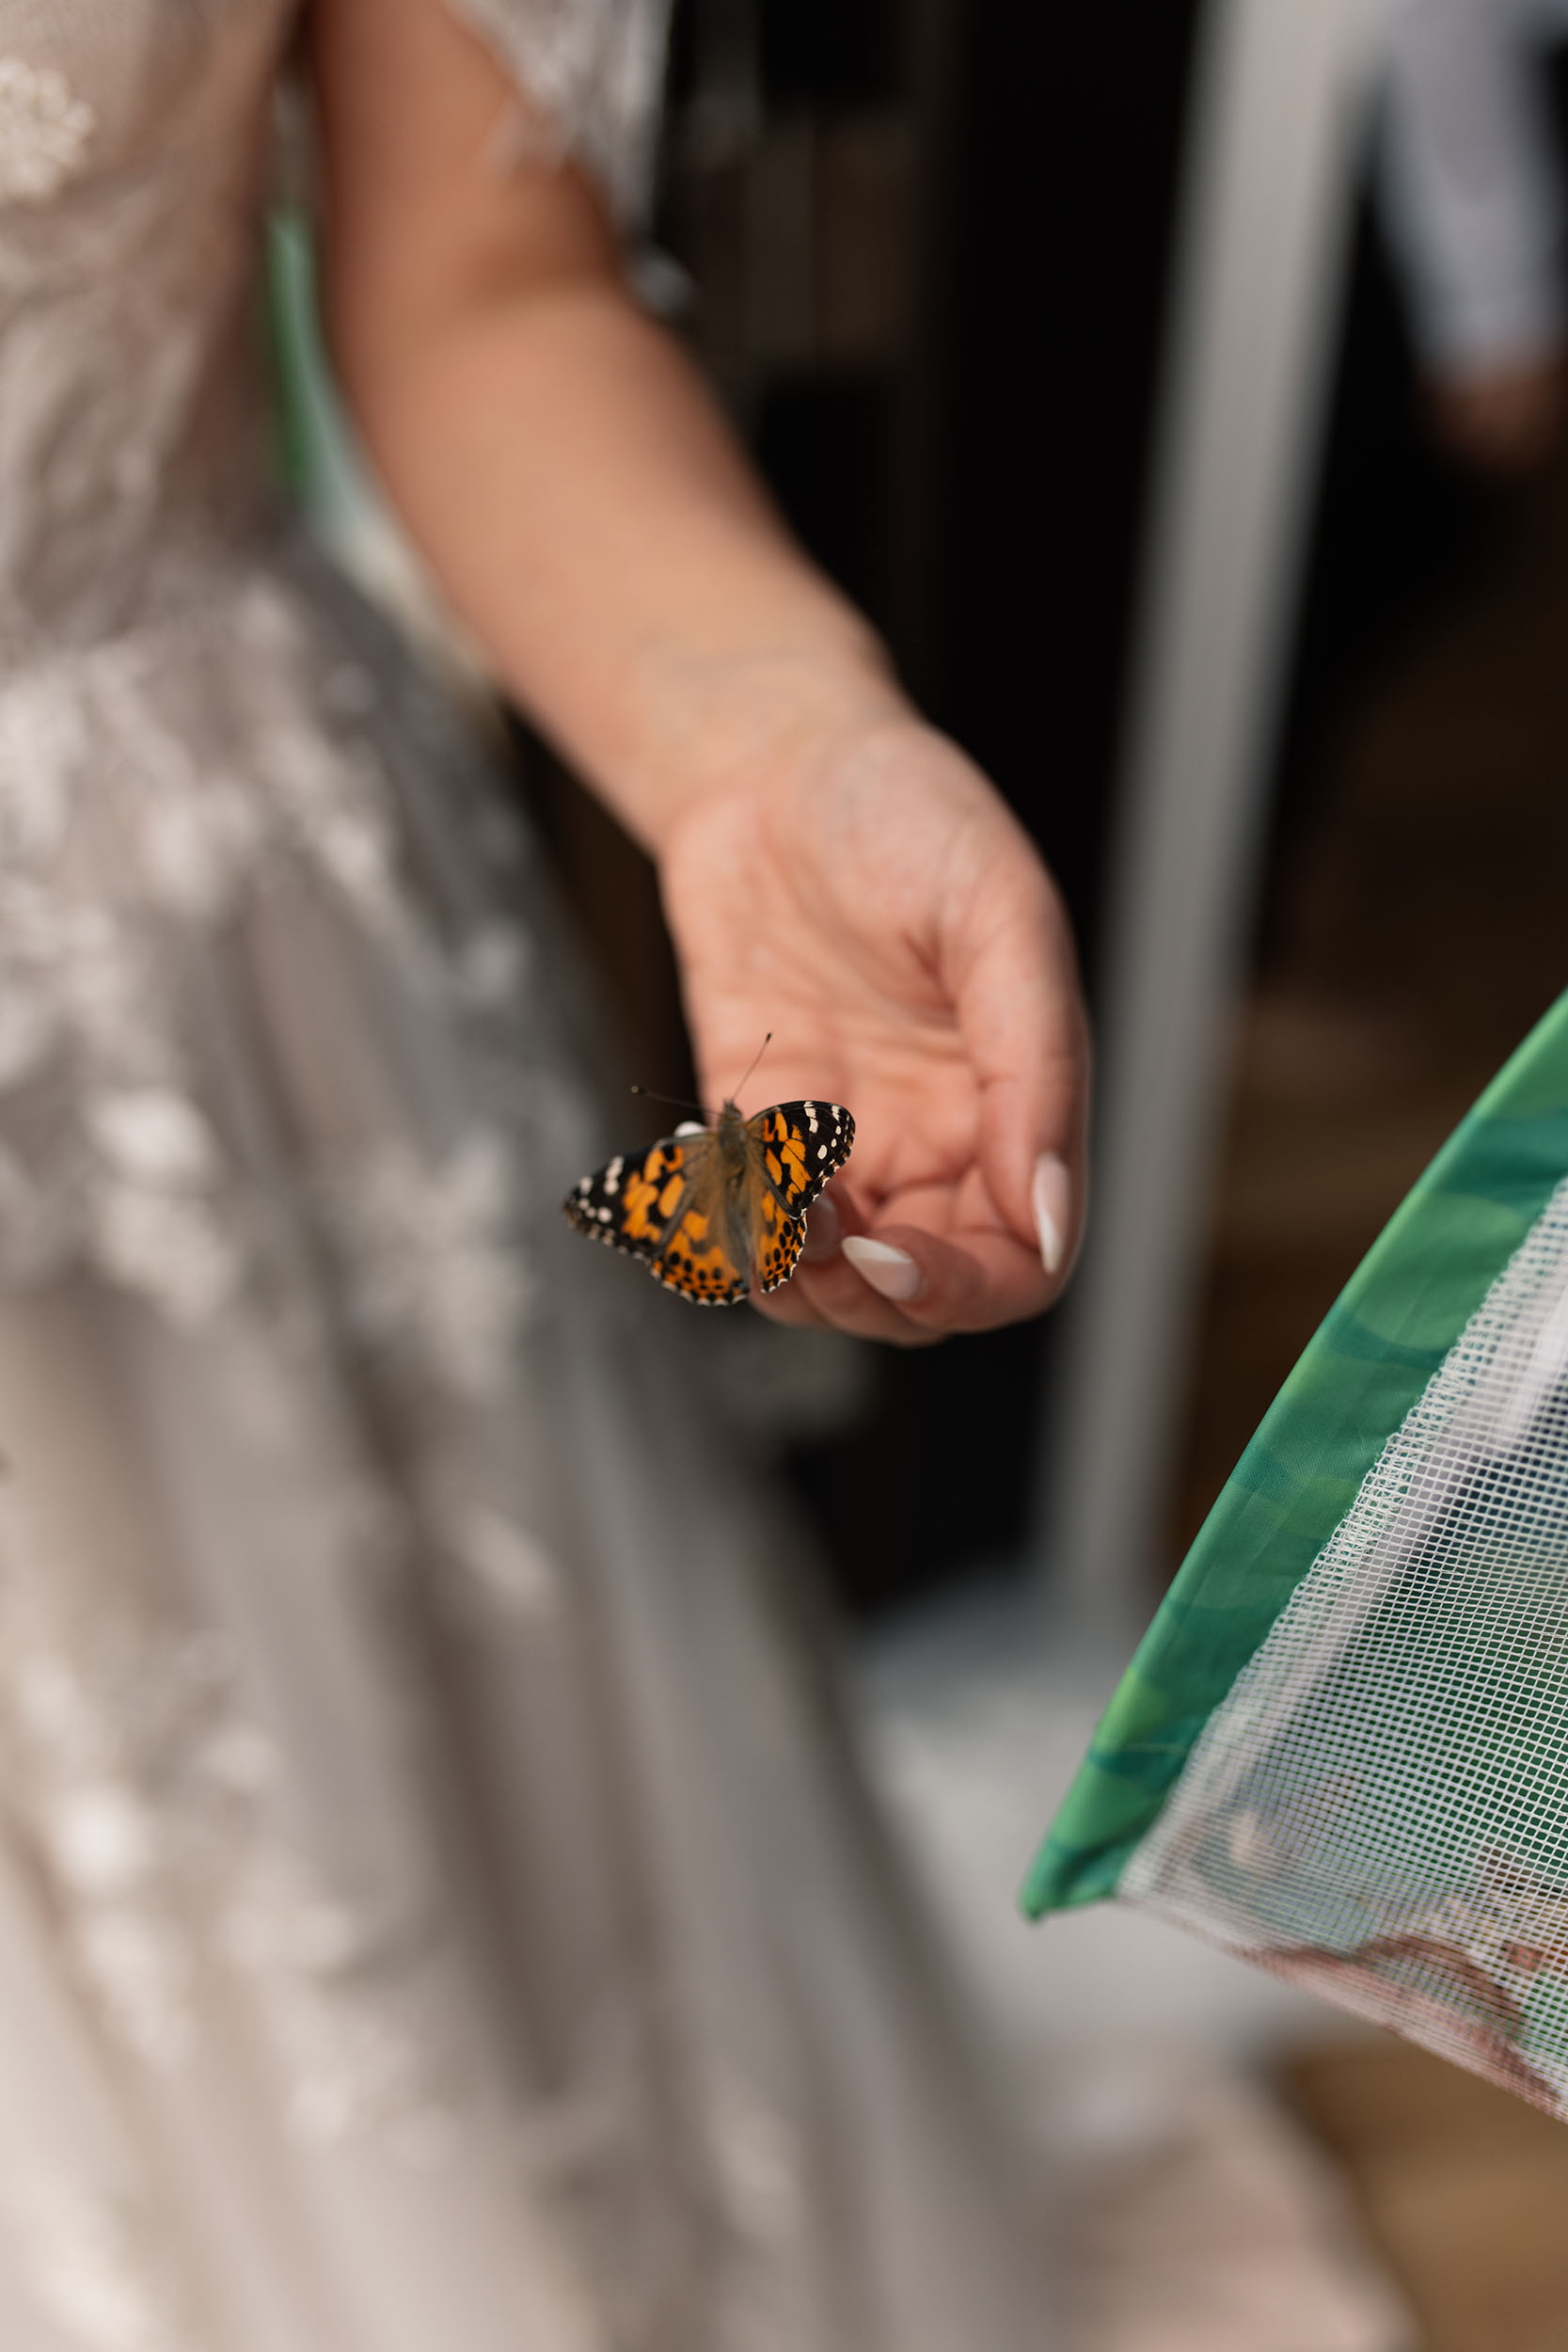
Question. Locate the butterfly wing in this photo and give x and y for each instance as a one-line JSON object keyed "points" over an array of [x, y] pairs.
{"points": [[777, 1241], [792, 1150], [699, 1262], [634, 1199], [665, 1206]]}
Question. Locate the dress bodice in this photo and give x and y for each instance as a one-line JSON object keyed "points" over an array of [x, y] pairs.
{"points": [[134, 137]]}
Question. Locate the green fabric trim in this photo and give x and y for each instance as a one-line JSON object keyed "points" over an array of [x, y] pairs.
{"points": [[1363, 1370], [316, 459]]}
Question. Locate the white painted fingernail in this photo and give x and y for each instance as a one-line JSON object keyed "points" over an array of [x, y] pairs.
{"points": [[893, 1272], [822, 1232], [1052, 1193]]}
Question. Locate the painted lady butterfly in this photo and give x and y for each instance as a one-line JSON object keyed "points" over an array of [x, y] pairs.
{"points": [[705, 1206]]}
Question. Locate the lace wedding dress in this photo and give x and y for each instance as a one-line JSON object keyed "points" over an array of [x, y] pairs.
{"points": [[437, 1912]]}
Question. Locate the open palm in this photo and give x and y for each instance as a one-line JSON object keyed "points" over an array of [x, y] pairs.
{"points": [[872, 903]]}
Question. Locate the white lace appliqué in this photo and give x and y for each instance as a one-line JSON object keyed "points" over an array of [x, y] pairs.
{"points": [[506, 1569], [44, 132], [432, 1261], [151, 1800], [90, 2263], [87, 1749], [157, 1224]]}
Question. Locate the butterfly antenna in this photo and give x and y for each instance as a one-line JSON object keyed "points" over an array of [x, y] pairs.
{"points": [[675, 1102], [752, 1065]]}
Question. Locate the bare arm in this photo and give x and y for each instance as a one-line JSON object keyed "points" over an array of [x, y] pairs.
{"points": [[832, 869], [517, 402]]}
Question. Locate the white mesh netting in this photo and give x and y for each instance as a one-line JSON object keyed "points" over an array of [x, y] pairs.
{"points": [[1380, 1807]]}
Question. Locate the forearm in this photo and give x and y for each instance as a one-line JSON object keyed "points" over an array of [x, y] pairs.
{"points": [[586, 510]]}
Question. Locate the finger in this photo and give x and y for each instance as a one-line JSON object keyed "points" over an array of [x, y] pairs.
{"points": [[827, 1291], [913, 1287], [834, 1299], [795, 1300], [824, 1230], [970, 1281], [1015, 985], [829, 1287]]}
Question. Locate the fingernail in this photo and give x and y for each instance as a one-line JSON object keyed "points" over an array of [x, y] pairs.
{"points": [[1052, 1193], [823, 1231], [893, 1272]]}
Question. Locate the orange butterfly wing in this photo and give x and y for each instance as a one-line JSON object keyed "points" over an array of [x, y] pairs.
{"points": [[664, 1207], [792, 1151]]}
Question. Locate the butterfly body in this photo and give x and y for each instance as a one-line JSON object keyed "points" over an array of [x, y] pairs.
{"points": [[704, 1208]]}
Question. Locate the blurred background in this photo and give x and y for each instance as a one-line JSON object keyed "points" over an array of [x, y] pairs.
{"points": [[1180, 389]]}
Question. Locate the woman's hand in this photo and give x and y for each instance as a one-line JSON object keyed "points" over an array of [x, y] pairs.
{"points": [[867, 896]]}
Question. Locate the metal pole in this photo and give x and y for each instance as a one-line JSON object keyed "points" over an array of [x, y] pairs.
{"points": [[1275, 137]]}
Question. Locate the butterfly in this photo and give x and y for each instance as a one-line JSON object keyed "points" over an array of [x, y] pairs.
{"points": [[709, 1203]]}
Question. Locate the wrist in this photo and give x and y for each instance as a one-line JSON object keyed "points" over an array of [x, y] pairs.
{"points": [[741, 719]]}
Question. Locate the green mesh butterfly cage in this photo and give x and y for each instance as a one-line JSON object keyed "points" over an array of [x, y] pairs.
{"points": [[1342, 1751]]}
